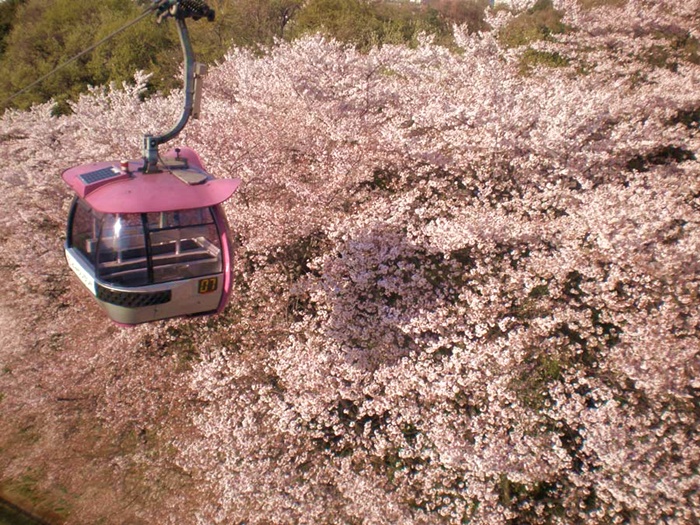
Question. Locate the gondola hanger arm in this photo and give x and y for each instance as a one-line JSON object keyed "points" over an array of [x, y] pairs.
{"points": [[180, 10]]}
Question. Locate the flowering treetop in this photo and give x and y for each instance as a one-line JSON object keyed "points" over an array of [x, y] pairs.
{"points": [[466, 290]]}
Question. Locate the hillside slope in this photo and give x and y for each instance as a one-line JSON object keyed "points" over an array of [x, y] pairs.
{"points": [[466, 291]]}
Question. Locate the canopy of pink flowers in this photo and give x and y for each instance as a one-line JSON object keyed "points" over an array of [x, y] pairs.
{"points": [[465, 292]]}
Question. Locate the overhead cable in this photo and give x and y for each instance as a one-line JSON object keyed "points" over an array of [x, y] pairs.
{"points": [[143, 15]]}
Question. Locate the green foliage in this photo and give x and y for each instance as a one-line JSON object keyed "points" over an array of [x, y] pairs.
{"points": [[38, 35], [683, 47], [366, 24], [541, 370], [46, 33], [689, 47], [7, 16], [461, 12], [525, 498], [145, 46], [35, 45], [590, 4], [27, 492], [537, 23], [533, 58], [252, 24]]}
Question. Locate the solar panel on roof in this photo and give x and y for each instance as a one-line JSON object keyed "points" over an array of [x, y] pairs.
{"points": [[99, 175]]}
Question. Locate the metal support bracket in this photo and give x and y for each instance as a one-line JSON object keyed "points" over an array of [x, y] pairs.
{"points": [[200, 71], [180, 10]]}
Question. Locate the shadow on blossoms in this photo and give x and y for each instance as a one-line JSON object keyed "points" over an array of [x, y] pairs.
{"points": [[376, 283]]}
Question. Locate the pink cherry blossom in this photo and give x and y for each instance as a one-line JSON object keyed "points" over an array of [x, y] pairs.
{"points": [[464, 293]]}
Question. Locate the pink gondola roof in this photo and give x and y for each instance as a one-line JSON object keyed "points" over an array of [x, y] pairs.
{"points": [[147, 193]]}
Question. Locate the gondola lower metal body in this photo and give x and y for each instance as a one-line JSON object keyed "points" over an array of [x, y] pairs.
{"points": [[151, 246]]}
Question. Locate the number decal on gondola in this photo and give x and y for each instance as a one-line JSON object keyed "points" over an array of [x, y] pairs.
{"points": [[208, 285]]}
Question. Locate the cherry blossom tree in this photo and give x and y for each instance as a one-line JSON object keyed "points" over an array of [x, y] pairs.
{"points": [[465, 292]]}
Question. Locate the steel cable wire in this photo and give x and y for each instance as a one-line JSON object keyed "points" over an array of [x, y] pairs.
{"points": [[143, 15]]}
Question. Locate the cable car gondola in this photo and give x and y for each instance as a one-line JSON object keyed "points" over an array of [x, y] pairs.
{"points": [[149, 238]]}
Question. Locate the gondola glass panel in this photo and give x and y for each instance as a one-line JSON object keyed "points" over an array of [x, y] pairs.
{"points": [[85, 230], [122, 257], [184, 244]]}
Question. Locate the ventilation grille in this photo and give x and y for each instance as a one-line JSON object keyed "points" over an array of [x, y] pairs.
{"points": [[132, 299], [99, 175]]}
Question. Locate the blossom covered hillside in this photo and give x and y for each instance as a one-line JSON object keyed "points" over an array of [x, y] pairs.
{"points": [[467, 290]]}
